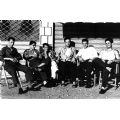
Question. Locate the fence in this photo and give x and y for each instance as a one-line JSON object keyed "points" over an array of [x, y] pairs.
{"points": [[26, 30]]}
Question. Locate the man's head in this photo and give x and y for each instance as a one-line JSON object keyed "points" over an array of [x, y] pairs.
{"points": [[11, 41], [108, 42], [32, 44], [46, 47], [67, 41], [85, 43]]}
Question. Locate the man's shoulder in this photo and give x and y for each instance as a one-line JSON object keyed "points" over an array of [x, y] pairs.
{"points": [[83, 49], [5, 47], [73, 48], [26, 50], [61, 48], [91, 48], [115, 51], [36, 50], [14, 48], [103, 50]]}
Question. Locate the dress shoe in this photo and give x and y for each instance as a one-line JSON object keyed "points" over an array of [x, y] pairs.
{"points": [[102, 91], [21, 91], [44, 83], [62, 83], [74, 85]]}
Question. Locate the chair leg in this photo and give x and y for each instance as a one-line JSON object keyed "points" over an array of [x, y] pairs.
{"points": [[0, 75], [5, 76], [94, 79], [19, 78], [116, 73], [100, 81]]}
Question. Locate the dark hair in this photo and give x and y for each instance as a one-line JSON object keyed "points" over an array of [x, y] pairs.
{"points": [[67, 38], [11, 38], [109, 39], [32, 42], [85, 40], [45, 44]]}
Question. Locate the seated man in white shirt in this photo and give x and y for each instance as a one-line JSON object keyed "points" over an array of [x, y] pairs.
{"points": [[109, 58], [85, 57]]}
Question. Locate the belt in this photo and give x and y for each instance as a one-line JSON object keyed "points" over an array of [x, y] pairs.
{"points": [[65, 60]]}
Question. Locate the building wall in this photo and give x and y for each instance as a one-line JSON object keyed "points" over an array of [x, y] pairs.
{"points": [[97, 42], [46, 32]]}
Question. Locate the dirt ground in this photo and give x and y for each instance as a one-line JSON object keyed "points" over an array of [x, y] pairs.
{"points": [[60, 92]]}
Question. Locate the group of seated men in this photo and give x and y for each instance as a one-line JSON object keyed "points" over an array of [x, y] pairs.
{"points": [[78, 66], [37, 67], [72, 66]]}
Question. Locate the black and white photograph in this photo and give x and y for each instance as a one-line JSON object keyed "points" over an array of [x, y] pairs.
{"points": [[59, 60]]}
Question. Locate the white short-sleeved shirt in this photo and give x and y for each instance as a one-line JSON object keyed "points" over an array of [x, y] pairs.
{"points": [[87, 53], [109, 54]]}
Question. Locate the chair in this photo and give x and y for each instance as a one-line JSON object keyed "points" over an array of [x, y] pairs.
{"points": [[7, 76], [94, 77], [114, 80], [100, 79]]}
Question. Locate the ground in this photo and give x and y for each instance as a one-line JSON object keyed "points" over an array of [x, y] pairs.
{"points": [[60, 92]]}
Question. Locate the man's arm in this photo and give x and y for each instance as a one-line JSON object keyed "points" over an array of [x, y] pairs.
{"points": [[94, 54], [58, 54], [74, 55], [26, 55], [79, 56], [2, 54], [101, 55], [17, 55], [117, 56]]}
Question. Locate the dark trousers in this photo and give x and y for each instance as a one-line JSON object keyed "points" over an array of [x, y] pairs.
{"points": [[102, 66], [33, 66], [45, 73], [85, 69], [67, 70], [11, 68]]}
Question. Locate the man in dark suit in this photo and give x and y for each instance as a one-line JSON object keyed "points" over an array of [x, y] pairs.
{"points": [[11, 57]]}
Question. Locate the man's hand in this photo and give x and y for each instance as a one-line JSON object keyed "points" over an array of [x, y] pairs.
{"points": [[15, 60], [57, 61], [73, 60], [103, 60], [1, 63], [109, 62], [81, 59], [90, 60], [39, 69]]}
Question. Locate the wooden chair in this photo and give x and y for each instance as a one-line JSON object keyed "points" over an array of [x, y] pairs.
{"points": [[4, 73], [114, 80], [117, 73]]}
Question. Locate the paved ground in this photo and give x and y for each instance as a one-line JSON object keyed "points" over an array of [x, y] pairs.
{"points": [[61, 92]]}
